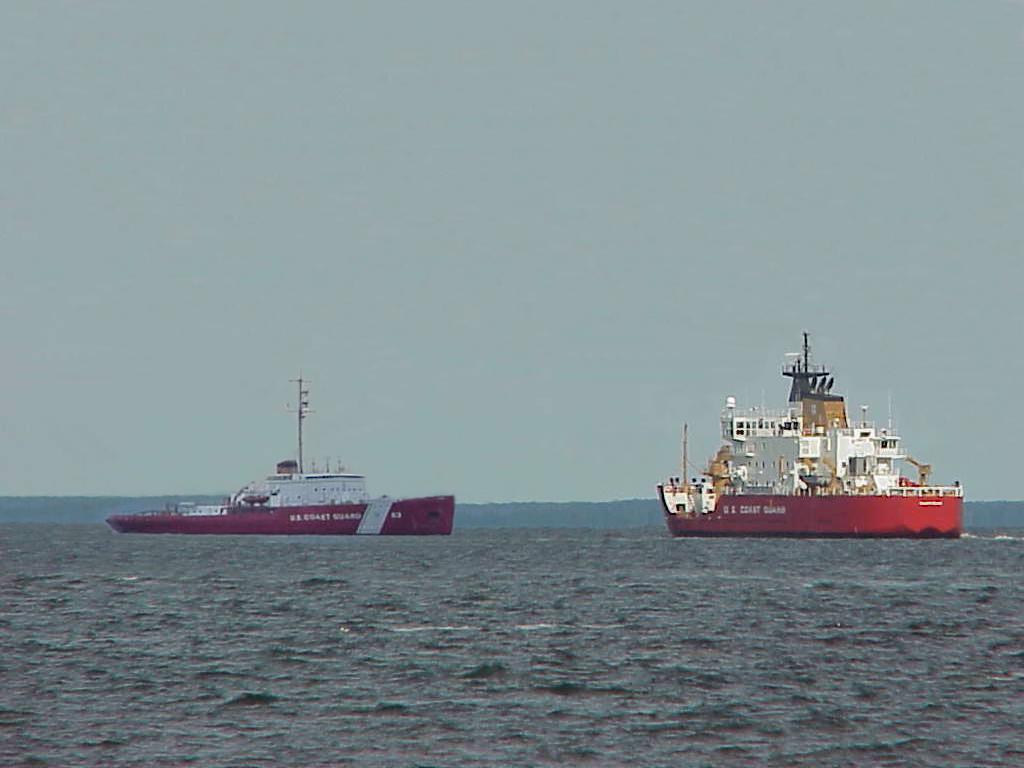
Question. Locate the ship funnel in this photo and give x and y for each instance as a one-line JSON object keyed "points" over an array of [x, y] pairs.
{"points": [[831, 381], [287, 467]]}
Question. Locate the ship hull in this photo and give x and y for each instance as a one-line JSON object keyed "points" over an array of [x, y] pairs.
{"points": [[426, 516], [823, 517]]}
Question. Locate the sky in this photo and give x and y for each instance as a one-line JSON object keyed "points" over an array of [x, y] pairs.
{"points": [[513, 246]]}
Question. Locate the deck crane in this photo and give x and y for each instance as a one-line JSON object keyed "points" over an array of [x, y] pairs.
{"points": [[923, 470]]}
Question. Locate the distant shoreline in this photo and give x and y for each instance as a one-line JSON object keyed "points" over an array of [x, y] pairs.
{"points": [[625, 513]]}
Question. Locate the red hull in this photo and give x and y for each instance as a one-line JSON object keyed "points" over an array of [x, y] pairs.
{"points": [[825, 516], [433, 515]]}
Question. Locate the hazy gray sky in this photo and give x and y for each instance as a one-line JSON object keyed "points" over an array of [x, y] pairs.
{"points": [[513, 245]]}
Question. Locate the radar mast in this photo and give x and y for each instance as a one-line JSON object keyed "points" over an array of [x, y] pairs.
{"points": [[301, 410]]}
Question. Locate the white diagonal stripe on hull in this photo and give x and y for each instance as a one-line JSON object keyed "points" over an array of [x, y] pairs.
{"points": [[374, 516]]}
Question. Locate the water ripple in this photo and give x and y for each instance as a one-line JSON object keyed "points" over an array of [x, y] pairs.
{"points": [[508, 647]]}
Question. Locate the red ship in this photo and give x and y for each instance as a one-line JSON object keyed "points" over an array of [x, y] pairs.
{"points": [[806, 470], [291, 501]]}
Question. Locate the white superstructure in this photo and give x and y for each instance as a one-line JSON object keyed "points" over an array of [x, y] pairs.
{"points": [[291, 489], [772, 452]]}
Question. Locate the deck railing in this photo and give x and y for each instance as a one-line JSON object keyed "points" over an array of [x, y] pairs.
{"points": [[927, 490]]}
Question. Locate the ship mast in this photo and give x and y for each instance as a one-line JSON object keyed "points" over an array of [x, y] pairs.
{"points": [[686, 463], [301, 410], [807, 381]]}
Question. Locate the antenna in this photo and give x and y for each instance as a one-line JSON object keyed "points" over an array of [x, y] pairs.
{"points": [[301, 410]]}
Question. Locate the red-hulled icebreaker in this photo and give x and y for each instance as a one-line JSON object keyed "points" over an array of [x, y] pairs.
{"points": [[806, 470], [291, 501]]}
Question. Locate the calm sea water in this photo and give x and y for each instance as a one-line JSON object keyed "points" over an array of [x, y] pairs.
{"points": [[518, 647]]}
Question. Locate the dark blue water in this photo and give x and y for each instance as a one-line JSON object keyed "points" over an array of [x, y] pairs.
{"points": [[520, 647]]}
